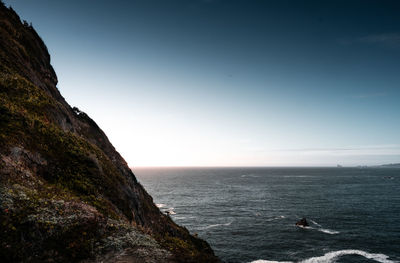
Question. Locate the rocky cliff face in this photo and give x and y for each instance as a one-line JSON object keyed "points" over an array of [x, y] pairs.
{"points": [[66, 195]]}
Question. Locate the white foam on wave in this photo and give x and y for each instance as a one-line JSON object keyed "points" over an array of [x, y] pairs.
{"points": [[299, 176], [331, 257], [249, 175], [275, 218], [216, 225], [270, 261], [171, 211], [305, 227], [328, 231], [315, 223], [160, 205], [320, 229], [323, 230]]}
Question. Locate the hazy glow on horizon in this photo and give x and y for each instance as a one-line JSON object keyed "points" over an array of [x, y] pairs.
{"points": [[230, 83]]}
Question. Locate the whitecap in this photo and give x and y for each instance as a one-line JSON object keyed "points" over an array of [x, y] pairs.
{"points": [[305, 227], [275, 218], [323, 230], [298, 176], [331, 257], [171, 211], [160, 205], [269, 261], [328, 231], [216, 225], [315, 223], [249, 175]]}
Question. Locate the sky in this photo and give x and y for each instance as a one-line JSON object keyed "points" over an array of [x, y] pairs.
{"points": [[231, 83]]}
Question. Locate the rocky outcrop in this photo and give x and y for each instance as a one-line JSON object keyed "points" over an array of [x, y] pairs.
{"points": [[66, 195], [303, 222]]}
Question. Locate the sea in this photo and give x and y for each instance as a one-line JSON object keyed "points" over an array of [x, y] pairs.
{"points": [[249, 214]]}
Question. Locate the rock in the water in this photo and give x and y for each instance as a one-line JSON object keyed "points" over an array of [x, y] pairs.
{"points": [[303, 222]]}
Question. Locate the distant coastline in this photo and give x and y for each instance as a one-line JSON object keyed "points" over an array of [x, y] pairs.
{"points": [[390, 165]]}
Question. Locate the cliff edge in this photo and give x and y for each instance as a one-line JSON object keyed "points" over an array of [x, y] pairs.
{"points": [[66, 195]]}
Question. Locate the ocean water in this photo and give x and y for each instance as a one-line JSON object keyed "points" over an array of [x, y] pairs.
{"points": [[249, 214]]}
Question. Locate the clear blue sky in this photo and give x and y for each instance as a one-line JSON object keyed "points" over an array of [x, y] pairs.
{"points": [[231, 83]]}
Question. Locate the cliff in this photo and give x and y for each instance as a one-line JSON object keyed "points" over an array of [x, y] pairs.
{"points": [[66, 195]]}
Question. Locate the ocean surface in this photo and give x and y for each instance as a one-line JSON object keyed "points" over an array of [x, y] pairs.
{"points": [[249, 214]]}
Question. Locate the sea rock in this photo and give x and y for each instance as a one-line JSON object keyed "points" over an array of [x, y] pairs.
{"points": [[303, 222]]}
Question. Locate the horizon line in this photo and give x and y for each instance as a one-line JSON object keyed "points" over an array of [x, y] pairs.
{"points": [[263, 166]]}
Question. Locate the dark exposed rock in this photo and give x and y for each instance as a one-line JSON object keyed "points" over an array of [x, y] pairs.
{"points": [[303, 222], [66, 195]]}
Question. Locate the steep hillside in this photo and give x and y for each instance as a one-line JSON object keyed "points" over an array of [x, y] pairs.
{"points": [[66, 195]]}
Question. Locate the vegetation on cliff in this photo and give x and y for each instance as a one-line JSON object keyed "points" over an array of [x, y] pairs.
{"points": [[66, 195]]}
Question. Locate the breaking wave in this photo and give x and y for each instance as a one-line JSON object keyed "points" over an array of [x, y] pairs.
{"points": [[320, 229], [249, 175], [216, 225], [323, 230], [275, 218], [269, 261], [328, 231], [166, 210], [315, 223], [331, 257], [170, 211]]}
